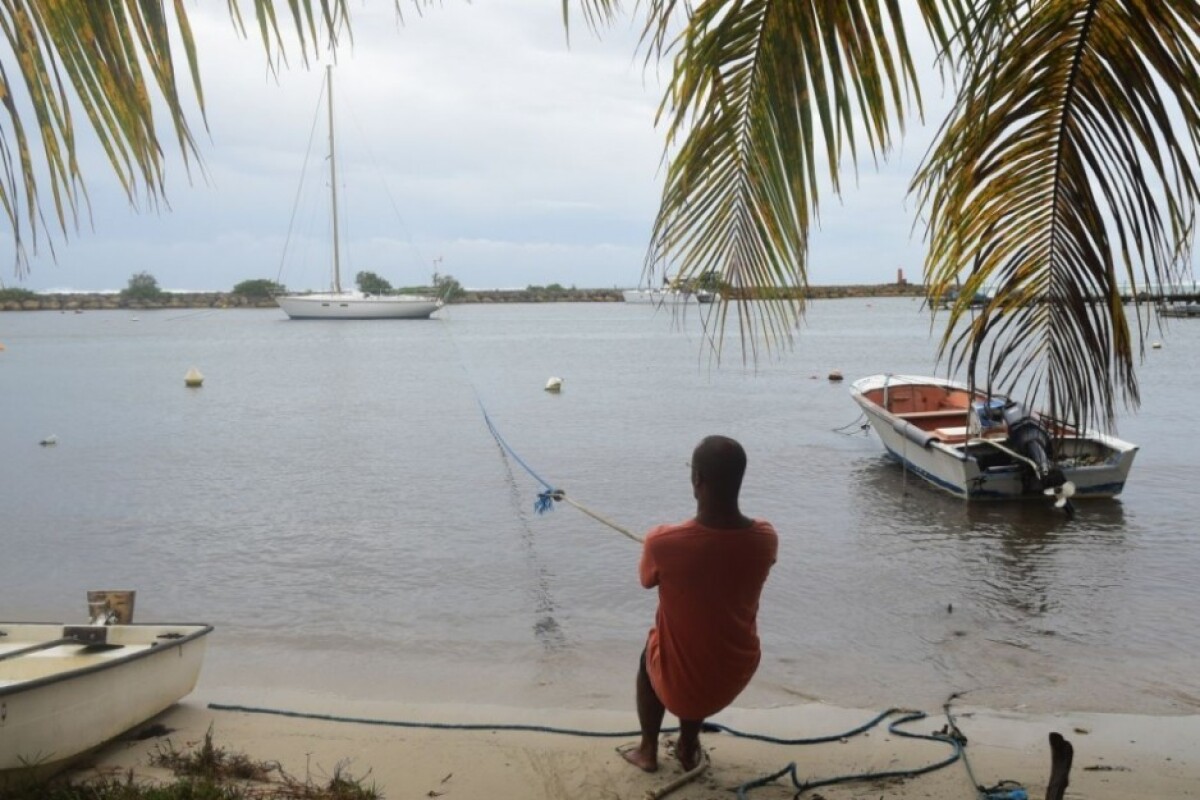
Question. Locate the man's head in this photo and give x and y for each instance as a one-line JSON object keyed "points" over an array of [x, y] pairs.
{"points": [[718, 464]]}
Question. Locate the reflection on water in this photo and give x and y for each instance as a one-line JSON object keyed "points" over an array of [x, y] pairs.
{"points": [[1021, 589], [545, 627]]}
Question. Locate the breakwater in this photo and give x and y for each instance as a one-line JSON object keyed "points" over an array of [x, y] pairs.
{"points": [[20, 300]]}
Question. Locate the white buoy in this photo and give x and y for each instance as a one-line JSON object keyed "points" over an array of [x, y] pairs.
{"points": [[193, 378], [1157, 345], [554, 385], [49, 441]]}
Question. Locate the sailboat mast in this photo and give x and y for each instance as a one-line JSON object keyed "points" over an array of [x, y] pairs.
{"points": [[337, 271]]}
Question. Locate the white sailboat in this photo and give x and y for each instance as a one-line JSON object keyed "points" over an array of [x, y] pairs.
{"points": [[343, 304]]}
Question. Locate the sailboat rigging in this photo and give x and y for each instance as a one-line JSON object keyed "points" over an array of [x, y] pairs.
{"points": [[339, 303]]}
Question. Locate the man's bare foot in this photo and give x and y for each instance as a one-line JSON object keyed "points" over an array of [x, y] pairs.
{"points": [[637, 755], [689, 758]]}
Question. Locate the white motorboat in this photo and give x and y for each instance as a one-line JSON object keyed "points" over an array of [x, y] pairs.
{"points": [[977, 446], [67, 689], [340, 304]]}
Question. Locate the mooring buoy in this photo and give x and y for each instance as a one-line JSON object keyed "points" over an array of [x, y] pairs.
{"points": [[193, 378]]}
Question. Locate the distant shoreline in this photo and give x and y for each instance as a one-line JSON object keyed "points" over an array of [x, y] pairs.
{"points": [[102, 301]]}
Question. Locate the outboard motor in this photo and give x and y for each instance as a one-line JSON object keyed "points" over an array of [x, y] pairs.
{"points": [[984, 415], [1030, 438]]}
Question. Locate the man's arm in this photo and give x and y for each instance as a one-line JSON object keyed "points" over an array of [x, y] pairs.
{"points": [[648, 568]]}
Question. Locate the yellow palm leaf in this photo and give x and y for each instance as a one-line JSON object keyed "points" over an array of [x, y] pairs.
{"points": [[1059, 180]]}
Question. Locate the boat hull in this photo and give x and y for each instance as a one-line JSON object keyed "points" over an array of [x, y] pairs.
{"points": [[976, 466], [357, 306], [1190, 309], [61, 701]]}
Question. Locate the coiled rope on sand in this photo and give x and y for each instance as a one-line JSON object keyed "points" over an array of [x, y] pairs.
{"points": [[902, 717]]}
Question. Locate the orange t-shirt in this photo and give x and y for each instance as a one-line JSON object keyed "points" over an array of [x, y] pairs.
{"points": [[703, 648]]}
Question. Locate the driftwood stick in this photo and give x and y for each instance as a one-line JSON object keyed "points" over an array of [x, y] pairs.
{"points": [[1061, 755], [682, 780]]}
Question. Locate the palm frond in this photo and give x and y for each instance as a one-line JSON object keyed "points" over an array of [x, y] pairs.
{"points": [[596, 13], [109, 60], [1059, 177], [767, 98]]}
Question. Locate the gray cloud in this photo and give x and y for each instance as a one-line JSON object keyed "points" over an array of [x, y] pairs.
{"points": [[473, 133]]}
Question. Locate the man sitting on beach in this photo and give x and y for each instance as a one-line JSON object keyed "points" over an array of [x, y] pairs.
{"points": [[710, 571]]}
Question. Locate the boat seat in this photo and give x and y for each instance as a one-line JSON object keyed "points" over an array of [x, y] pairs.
{"points": [[937, 412], [958, 435]]}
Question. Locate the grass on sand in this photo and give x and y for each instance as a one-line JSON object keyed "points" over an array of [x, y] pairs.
{"points": [[206, 772]]}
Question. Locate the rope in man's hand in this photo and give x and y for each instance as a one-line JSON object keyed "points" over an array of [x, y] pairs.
{"points": [[546, 500]]}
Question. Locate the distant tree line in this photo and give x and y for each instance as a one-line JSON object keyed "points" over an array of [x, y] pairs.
{"points": [[144, 286]]}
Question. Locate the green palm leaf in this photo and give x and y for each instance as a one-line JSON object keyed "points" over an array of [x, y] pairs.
{"points": [[109, 59], [1058, 179], [767, 98]]}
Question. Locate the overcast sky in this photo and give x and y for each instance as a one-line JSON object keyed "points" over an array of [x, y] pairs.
{"points": [[474, 140]]}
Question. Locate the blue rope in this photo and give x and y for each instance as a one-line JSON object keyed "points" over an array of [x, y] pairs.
{"points": [[804, 786], [437, 726], [545, 500]]}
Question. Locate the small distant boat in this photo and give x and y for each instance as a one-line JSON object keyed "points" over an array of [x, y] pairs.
{"points": [[977, 446], [1188, 309], [340, 304], [978, 299], [67, 689], [668, 296]]}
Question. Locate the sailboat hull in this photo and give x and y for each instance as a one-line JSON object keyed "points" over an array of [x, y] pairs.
{"points": [[350, 305]]}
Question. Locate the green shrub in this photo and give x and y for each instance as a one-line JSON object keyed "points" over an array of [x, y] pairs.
{"points": [[16, 295], [259, 287], [142, 286], [370, 283]]}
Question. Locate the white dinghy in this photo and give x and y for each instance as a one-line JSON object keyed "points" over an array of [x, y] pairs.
{"points": [[67, 689]]}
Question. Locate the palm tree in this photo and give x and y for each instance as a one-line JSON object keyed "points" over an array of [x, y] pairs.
{"points": [[110, 58], [1064, 170]]}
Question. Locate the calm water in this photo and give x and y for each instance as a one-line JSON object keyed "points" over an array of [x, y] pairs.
{"points": [[334, 503]]}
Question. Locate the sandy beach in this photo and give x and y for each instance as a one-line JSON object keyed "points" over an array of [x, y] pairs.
{"points": [[1117, 756]]}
